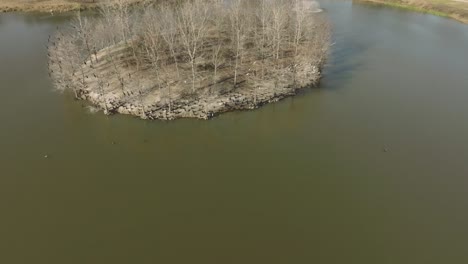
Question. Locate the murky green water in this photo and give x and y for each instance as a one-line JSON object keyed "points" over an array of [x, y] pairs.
{"points": [[305, 180]]}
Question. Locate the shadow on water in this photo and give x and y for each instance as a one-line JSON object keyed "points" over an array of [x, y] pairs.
{"points": [[343, 61], [348, 47]]}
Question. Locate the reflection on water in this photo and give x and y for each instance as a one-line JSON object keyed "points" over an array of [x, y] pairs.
{"points": [[370, 168]]}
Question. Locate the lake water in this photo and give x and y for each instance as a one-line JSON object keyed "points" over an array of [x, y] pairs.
{"points": [[372, 167]]}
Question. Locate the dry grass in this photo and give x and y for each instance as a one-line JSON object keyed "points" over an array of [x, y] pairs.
{"points": [[456, 9], [51, 6]]}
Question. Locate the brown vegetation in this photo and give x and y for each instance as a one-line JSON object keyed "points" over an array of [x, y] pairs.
{"points": [[190, 59]]}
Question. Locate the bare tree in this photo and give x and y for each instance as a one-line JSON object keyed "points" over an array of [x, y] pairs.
{"points": [[123, 18], [152, 42], [279, 21], [299, 22], [169, 31], [83, 28], [192, 20], [109, 17], [261, 39], [239, 27], [216, 60]]}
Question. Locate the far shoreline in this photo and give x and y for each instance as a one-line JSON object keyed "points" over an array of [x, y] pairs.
{"points": [[50, 6], [440, 10], [59, 6]]}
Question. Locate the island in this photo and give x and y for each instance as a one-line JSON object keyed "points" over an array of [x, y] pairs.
{"points": [[190, 59]]}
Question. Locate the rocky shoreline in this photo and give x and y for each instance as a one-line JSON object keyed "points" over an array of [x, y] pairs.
{"points": [[200, 108]]}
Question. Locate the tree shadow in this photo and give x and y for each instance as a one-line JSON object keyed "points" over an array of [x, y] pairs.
{"points": [[345, 58]]}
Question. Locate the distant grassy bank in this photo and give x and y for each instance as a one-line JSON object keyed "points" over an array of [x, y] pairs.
{"points": [[52, 6], [456, 9]]}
